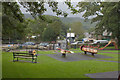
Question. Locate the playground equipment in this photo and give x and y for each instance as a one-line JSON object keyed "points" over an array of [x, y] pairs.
{"points": [[64, 52], [111, 41], [94, 50], [98, 46], [90, 50]]}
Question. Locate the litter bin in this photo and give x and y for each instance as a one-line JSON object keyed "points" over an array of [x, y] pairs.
{"points": [[20, 46], [74, 46]]}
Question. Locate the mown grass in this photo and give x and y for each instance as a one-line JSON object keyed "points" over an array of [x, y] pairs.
{"points": [[115, 57], [39, 52], [114, 51], [48, 67], [0, 64]]}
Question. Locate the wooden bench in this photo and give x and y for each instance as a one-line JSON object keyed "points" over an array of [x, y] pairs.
{"points": [[24, 55]]}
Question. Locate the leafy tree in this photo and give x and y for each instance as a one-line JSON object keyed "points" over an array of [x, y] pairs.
{"points": [[107, 14], [38, 8], [12, 19], [52, 32], [12, 13], [12, 9], [76, 27]]}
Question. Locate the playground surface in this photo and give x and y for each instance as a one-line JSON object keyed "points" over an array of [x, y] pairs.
{"points": [[112, 74], [76, 57]]}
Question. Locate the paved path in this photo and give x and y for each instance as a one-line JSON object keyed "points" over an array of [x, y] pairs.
{"points": [[112, 74], [108, 61]]}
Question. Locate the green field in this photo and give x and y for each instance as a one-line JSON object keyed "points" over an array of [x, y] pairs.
{"points": [[48, 67]]}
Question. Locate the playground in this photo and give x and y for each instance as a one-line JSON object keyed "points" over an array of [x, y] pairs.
{"points": [[51, 64], [88, 61]]}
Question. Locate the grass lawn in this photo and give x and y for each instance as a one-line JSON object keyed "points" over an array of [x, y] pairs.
{"points": [[115, 56], [40, 52], [79, 51], [48, 67], [0, 64], [115, 51]]}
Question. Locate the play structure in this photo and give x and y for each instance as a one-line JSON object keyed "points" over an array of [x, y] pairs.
{"points": [[93, 50], [110, 42], [64, 52], [98, 46], [90, 50]]}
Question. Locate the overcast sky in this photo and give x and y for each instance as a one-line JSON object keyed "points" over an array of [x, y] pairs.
{"points": [[61, 6]]}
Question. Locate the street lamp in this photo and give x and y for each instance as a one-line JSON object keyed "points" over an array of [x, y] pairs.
{"points": [[70, 34]]}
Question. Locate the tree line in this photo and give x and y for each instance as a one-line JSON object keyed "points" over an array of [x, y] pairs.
{"points": [[107, 17]]}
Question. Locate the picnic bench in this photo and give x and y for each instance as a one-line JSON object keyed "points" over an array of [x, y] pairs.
{"points": [[17, 55]]}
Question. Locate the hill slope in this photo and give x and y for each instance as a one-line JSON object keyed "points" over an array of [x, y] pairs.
{"points": [[86, 25], [68, 20]]}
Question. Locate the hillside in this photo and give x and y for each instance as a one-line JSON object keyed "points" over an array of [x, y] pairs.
{"points": [[68, 20], [86, 25]]}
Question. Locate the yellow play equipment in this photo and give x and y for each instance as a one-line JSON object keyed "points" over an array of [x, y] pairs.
{"points": [[34, 52]]}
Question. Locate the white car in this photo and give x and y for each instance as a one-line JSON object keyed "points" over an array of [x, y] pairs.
{"points": [[100, 41], [77, 42]]}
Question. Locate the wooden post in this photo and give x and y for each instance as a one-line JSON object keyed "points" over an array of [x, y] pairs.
{"points": [[85, 52], [92, 54]]}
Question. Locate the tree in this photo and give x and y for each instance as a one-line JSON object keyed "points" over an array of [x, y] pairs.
{"points": [[107, 14], [12, 17], [52, 31], [76, 27], [12, 13], [12, 31], [38, 8]]}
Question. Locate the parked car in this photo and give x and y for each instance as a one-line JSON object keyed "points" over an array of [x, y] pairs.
{"points": [[77, 42], [28, 45], [43, 46], [100, 41]]}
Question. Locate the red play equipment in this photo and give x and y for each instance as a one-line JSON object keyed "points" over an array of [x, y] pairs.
{"points": [[94, 50], [110, 42], [64, 52], [90, 50]]}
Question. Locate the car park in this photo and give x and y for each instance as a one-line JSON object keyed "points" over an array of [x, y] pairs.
{"points": [[77, 42], [100, 41], [43, 46], [28, 45]]}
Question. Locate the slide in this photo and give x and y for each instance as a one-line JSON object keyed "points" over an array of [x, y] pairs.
{"points": [[114, 43]]}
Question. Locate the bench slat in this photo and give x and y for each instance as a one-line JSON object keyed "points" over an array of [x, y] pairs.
{"points": [[25, 57]]}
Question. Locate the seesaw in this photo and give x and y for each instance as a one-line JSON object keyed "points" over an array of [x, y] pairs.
{"points": [[64, 52]]}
